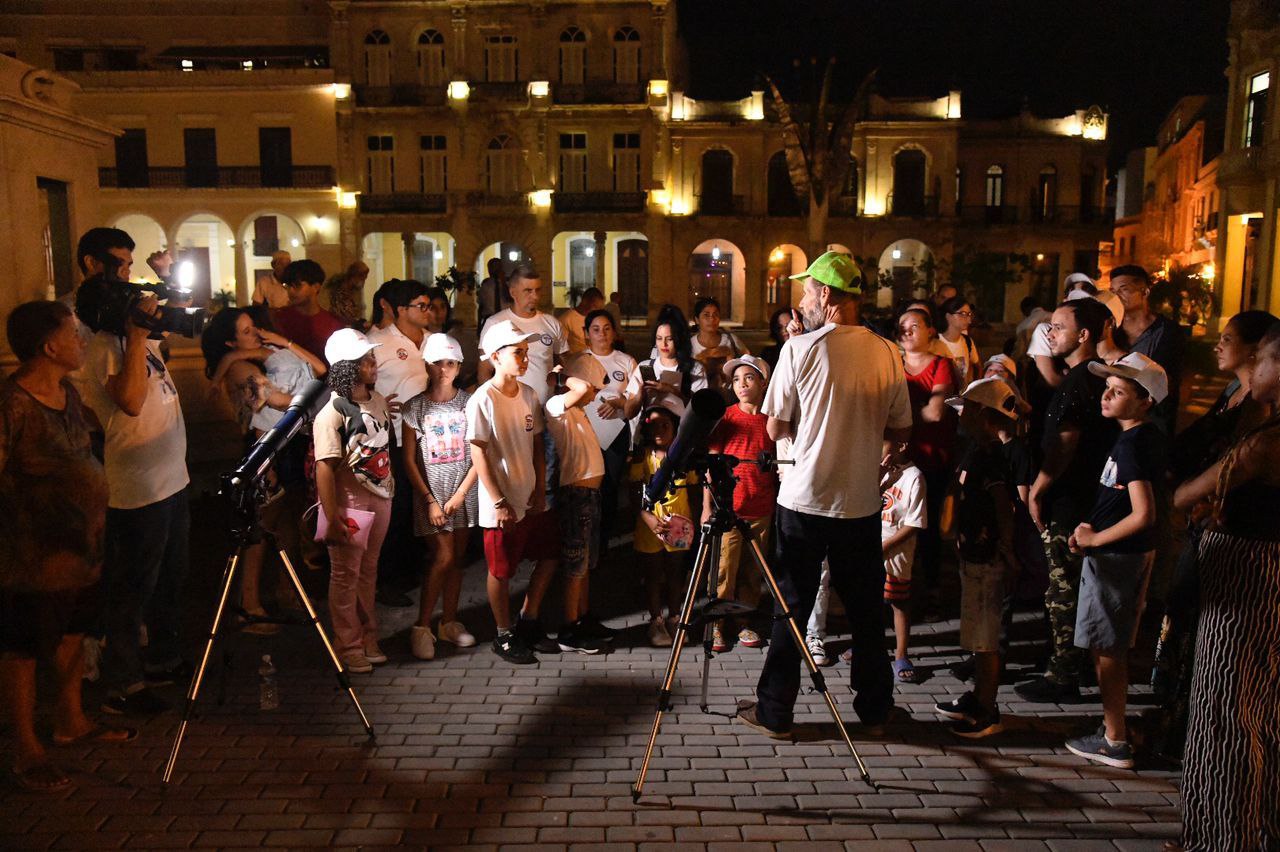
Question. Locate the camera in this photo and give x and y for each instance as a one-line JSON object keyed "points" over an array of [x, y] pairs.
{"points": [[106, 303]]}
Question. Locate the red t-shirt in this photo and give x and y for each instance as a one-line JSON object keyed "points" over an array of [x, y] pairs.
{"points": [[745, 436], [931, 444], [309, 332]]}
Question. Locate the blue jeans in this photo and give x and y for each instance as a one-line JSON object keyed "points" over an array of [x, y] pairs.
{"points": [[146, 564], [851, 547]]}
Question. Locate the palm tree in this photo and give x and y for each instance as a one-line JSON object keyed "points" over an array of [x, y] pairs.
{"points": [[818, 149]]}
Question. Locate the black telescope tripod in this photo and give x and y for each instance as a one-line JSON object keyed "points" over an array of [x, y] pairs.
{"points": [[718, 470]]}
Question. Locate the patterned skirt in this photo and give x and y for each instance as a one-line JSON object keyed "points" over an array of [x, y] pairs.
{"points": [[1231, 767]]}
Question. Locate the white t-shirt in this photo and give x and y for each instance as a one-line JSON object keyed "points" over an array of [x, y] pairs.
{"points": [[401, 370], [576, 444], [145, 456], [840, 387], [727, 340], [697, 382], [902, 504], [619, 372], [1022, 334], [962, 354], [1039, 343], [542, 352], [575, 329], [506, 426]]}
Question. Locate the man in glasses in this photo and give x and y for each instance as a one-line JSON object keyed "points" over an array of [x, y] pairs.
{"points": [[303, 320], [1146, 331]]}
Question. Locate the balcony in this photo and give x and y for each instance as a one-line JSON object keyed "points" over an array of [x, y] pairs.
{"points": [[1067, 215], [603, 92], [913, 207], [722, 205], [218, 177], [404, 202], [505, 92], [599, 202], [399, 96], [1242, 166], [481, 203], [989, 215]]}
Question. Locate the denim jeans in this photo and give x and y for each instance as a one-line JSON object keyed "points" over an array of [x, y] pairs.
{"points": [[145, 567]]}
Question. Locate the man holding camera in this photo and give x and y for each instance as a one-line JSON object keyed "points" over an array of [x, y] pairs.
{"points": [[838, 392], [131, 391]]}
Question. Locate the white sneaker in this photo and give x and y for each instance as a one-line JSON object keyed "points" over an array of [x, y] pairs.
{"points": [[818, 649], [659, 637], [422, 643], [374, 654], [456, 632]]}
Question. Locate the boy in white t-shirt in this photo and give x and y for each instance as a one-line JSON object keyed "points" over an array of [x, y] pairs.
{"points": [[504, 422], [902, 516]]}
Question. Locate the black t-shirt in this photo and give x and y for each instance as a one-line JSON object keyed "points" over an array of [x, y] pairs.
{"points": [[1018, 462], [1077, 404], [978, 515], [1137, 456]]}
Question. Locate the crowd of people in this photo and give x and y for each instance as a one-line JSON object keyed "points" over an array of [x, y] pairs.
{"points": [[1051, 468]]}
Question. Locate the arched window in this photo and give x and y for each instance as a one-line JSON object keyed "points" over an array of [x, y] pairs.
{"points": [[995, 186], [626, 55], [908, 182], [1045, 204], [377, 58], [573, 56], [431, 67], [782, 194], [716, 197], [500, 161]]}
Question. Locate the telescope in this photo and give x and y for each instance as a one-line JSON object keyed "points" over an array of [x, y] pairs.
{"points": [[700, 418], [251, 470]]}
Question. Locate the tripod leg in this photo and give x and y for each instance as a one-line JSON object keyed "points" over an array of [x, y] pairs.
{"points": [[815, 673], [193, 691], [673, 661], [708, 632], [343, 680]]}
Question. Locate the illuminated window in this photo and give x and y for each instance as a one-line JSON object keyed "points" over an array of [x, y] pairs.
{"points": [[1255, 109], [995, 186]]}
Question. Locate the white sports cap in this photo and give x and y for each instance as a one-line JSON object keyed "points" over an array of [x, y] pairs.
{"points": [[347, 344], [760, 365], [441, 347], [992, 392], [503, 334], [1137, 367]]}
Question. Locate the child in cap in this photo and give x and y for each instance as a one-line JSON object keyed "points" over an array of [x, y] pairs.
{"points": [[578, 507], [1119, 543], [984, 543], [742, 433], [445, 496], [504, 426], [353, 480]]}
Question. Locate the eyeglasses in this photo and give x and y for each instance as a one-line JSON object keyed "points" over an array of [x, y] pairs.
{"points": [[422, 306], [965, 314]]}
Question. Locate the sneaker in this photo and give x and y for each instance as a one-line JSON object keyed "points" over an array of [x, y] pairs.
{"points": [[510, 648], [456, 632], [963, 709], [718, 643], [984, 724], [142, 702], [421, 643], [1042, 690], [180, 673], [534, 637], [963, 670], [590, 627], [1096, 749], [356, 663], [818, 650], [748, 638], [374, 654], [658, 635], [571, 639], [747, 716]]}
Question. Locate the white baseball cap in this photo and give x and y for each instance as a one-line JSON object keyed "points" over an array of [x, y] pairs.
{"points": [[441, 347], [758, 364], [1077, 278], [1113, 303], [347, 344], [501, 334], [1004, 361], [992, 392], [1137, 367]]}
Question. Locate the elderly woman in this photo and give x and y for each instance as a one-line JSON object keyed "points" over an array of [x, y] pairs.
{"points": [[53, 504]]}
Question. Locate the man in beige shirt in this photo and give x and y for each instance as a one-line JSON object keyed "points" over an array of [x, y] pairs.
{"points": [[269, 289]]}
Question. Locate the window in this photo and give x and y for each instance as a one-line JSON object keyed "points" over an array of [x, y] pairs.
{"points": [[716, 197], [782, 197], [995, 186], [909, 166], [500, 166], [275, 155], [626, 56], [1255, 109], [68, 59], [501, 59], [573, 162], [431, 68], [120, 59], [626, 162], [433, 164], [573, 56], [131, 159], [1046, 200], [380, 168], [377, 58], [582, 265], [200, 146]]}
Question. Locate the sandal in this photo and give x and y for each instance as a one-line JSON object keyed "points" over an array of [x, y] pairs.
{"points": [[41, 777], [98, 734], [905, 672]]}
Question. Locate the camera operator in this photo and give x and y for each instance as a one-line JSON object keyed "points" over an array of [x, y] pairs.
{"points": [[838, 392], [129, 388]]}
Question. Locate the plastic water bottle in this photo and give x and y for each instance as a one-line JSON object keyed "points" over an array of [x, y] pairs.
{"points": [[268, 691]]}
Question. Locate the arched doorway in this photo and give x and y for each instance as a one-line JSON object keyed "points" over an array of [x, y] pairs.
{"points": [[264, 235], [632, 276], [908, 265], [716, 195], [908, 183], [148, 237], [783, 200], [784, 261], [717, 268], [206, 251]]}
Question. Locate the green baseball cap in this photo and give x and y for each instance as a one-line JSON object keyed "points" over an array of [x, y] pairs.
{"points": [[835, 270]]}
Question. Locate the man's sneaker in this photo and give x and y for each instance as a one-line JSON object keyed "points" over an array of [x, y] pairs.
{"points": [[1096, 749], [142, 702], [718, 643], [509, 647], [748, 638], [818, 649], [1041, 690], [966, 708], [984, 724], [658, 635], [422, 643], [356, 663], [534, 637], [570, 639], [963, 670], [747, 716], [590, 627], [457, 633], [179, 673]]}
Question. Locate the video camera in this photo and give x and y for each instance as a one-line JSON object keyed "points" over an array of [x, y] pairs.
{"points": [[105, 302]]}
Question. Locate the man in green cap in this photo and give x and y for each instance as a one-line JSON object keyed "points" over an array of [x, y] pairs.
{"points": [[838, 391]]}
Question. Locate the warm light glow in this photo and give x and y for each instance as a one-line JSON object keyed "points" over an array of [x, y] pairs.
{"points": [[539, 89], [658, 88], [755, 107], [459, 90], [513, 256], [247, 65], [347, 200], [679, 208], [1039, 257], [188, 65], [589, 251], [776, 256], [438, 255], [186, 274], [294, 242], [1207, 272], [1095, 132], [540, 198], [660, 197], [341, 91], [873, 206], [953, 103], [897, 254], [715, 252], [231, 243], [677, 106]]}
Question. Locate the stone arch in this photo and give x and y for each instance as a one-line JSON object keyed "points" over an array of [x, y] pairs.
{"points": [[208, 243], [718, 267]]}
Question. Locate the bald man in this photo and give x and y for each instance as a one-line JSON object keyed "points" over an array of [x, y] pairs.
{"points": [[269, 289]]}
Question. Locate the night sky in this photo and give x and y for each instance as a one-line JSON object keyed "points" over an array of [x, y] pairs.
{"points": [[1135, 58]]}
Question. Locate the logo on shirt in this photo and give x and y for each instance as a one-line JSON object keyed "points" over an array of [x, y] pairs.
{"points": [[619, 376], [546, 339], [528, 423], [402, 354], [1109, 475]]}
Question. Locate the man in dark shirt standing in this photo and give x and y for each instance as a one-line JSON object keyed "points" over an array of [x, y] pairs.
{"points": [[1155, 336], [1076, 441], [303, 320]]}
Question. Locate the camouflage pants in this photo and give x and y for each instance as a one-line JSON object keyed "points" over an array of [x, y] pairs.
{"points": [[1060, 602]]}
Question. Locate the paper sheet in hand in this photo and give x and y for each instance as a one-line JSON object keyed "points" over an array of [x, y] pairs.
{"points": [[606, 430]]}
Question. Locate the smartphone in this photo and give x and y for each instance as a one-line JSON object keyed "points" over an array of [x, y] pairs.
{"points": [[647, 374]]}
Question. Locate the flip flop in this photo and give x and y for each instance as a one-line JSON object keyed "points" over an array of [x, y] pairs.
{"points": [[905, 672], [42, 777], [98, 734]]}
